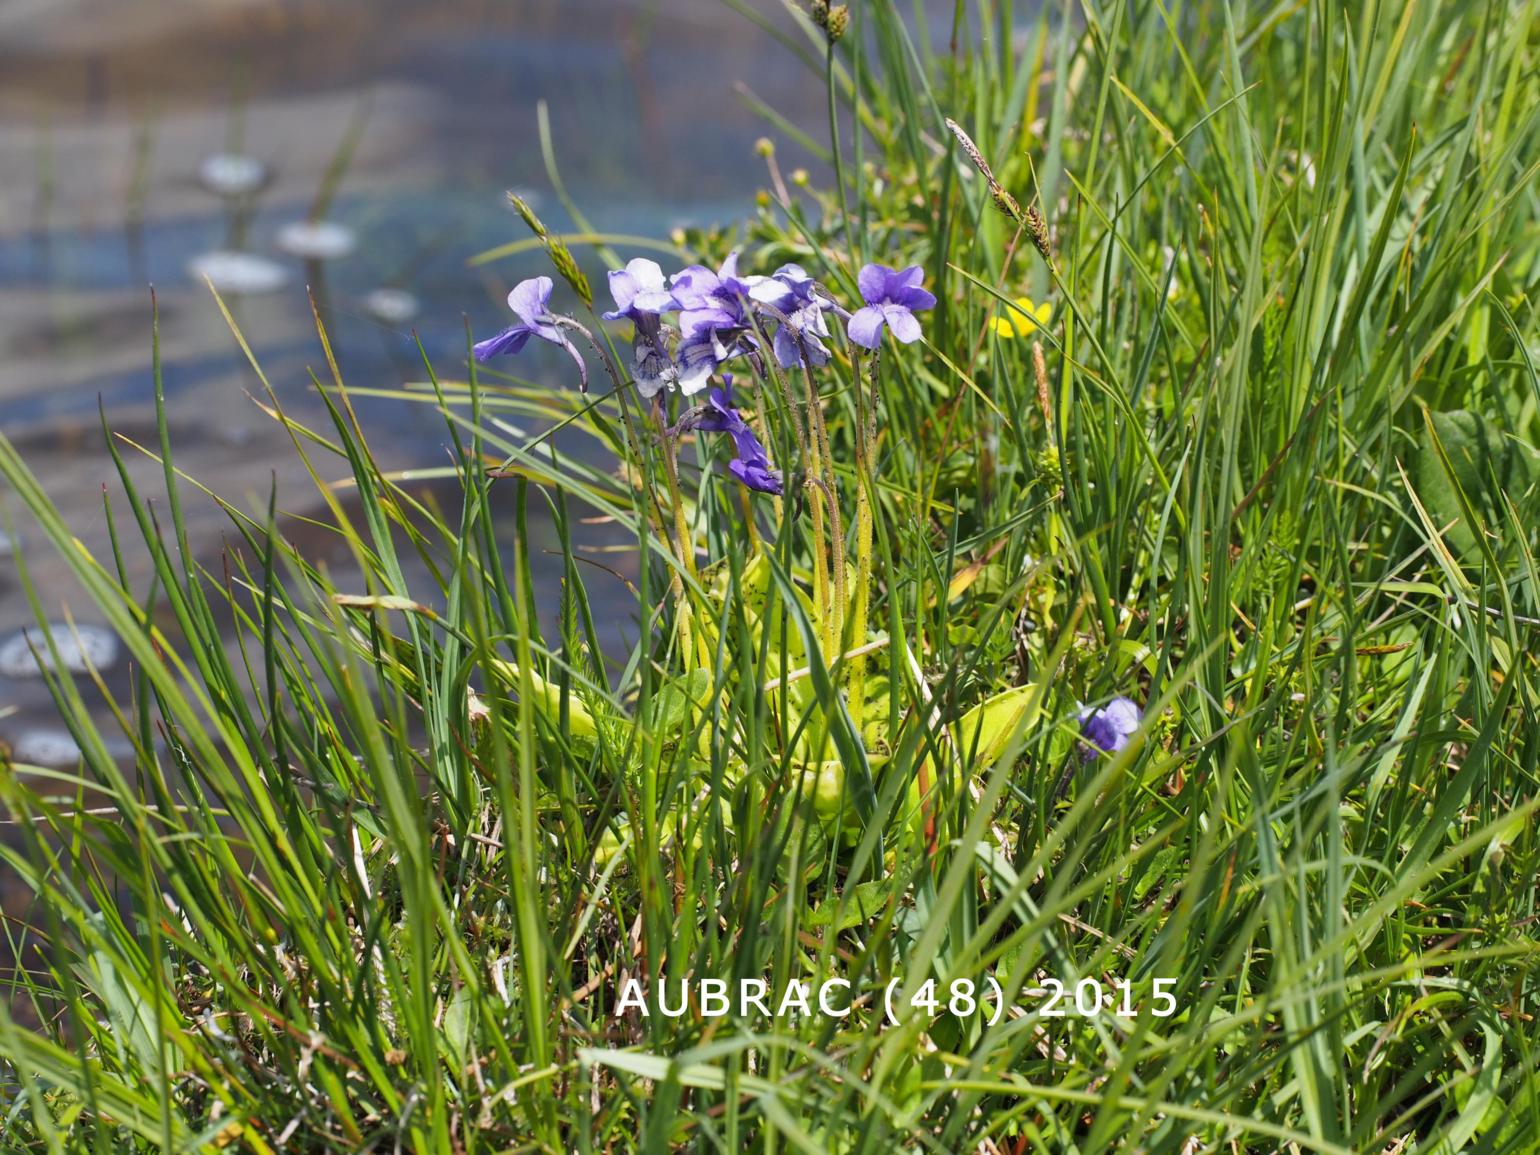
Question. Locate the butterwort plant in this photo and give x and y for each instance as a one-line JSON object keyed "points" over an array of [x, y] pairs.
{"points": [[719, 350]]}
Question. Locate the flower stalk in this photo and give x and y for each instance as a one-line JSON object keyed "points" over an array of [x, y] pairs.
{"points": [[834, 610], [684, 549], [866, 453]]}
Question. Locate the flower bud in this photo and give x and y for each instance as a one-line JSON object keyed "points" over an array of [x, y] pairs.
{"points": [[765, 147]]}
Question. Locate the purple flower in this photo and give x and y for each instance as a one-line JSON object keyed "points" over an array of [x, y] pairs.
{"points": [[640, 292], [712, 325], [652, 368], [722, 293], [891, 299], [793, 294], [1109, 728], [752, 464], [700, 352], [641, 295], [530, 301]]}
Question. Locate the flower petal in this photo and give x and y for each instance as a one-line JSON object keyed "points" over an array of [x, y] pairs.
{"points": [[652, 295], [581, 364], [771, 291], [1124, 715], [531, 299], [639, 288], [755, 475], [1024, 317], [913, 297], [794, 275], [695, 371], [652, 371], [903, 323], [510, 340], [623, 288], [788, 355], [548, 332], [873, 281], [694, 286], [648, 275], [654, 301], [1108, 729], [731, 284], [865, 327]]}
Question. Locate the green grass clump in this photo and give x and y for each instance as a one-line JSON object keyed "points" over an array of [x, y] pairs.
{"points": [[387, 855]]}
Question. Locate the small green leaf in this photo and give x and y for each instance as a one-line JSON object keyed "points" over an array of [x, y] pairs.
{"points": [[987, 729], [672, 708], [1477, 458], [860, 903]]}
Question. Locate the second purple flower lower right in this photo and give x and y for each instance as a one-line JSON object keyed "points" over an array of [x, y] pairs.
{"points": [[1107, 729]]}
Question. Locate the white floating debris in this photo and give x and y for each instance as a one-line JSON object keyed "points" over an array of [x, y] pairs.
{"points": [[81, 647], [233, 272], [392, 306], [316, 240], [231, 175], [54, 748]]}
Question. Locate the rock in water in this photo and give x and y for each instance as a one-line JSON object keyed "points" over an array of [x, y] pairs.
{"points": [[233, 272], [391, 306], [81, 648], [316, 240], [53, 748], [231, 174]]}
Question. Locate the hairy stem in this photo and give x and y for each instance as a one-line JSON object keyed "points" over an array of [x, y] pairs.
{"points": [[866, 448]]}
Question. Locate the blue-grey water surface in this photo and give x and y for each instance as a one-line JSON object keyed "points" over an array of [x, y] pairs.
{"points": [[109, 107]]}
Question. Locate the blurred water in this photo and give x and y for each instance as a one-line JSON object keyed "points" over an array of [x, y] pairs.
{"points": [[108, 108]]}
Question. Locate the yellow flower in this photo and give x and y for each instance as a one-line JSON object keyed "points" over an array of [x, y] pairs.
{"points": [[1022, 318]]}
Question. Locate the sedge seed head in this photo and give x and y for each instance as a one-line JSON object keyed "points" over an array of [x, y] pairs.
{"points": [[521, 206]]}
